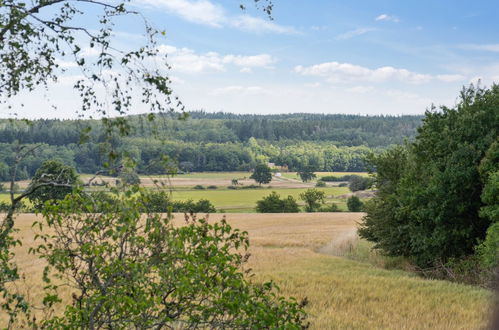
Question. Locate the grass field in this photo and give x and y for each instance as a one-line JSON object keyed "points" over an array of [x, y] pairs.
{"points": [[343, 294], [244, 200]]}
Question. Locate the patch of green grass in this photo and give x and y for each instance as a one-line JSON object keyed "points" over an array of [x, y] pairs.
{"points": [[5, 198], [294, 175], [245, 200]]}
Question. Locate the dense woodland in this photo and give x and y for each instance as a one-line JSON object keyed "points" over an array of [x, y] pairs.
{"points": [[209, 142]]}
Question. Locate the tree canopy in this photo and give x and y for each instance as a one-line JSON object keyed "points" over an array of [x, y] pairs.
{"points": [[432, 200], [261, 174]]}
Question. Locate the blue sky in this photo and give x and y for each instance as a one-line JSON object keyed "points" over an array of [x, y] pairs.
{"points": [[357, 57]]}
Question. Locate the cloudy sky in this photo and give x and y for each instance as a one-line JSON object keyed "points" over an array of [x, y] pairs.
{"points": [[358, 57]]}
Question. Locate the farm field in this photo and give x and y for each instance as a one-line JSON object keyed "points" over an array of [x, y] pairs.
{"points": [[244, 200], [289, 249]]}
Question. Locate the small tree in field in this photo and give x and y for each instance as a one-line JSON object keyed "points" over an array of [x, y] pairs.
{"points": [[135, 270], [354, 204], [262, 174], [306, 174], [313, 199], [52, 171]]}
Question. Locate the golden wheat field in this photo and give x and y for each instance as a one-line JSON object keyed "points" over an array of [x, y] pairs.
{"points": [[297, 252]]}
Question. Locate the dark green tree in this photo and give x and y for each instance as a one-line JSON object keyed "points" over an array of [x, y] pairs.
{"points": [[313, 199], [262, 174], [52, 182], [354, 204], [307, 173], [430, 194], [357, 182], [274, 204], [128, 176]]}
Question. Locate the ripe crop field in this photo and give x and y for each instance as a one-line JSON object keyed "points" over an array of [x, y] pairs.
{"points": [[342, 293]]}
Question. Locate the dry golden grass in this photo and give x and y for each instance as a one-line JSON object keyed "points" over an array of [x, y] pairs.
{"points": [[343, 294]]}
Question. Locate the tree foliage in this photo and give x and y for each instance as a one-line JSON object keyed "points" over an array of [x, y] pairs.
{"points": [[274, 204], [313, 199], [357, 182], [261, 174], [354, 204], [430, 192], [306, 174], [62, 179], [131, 269]]}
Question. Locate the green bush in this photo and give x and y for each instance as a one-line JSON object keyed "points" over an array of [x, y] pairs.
{"points": [[357, 183], [199, 187], [320, 184], [330, 208], [212, 187], [274, 204], [488, 250], [313, 199], [354, 204]]}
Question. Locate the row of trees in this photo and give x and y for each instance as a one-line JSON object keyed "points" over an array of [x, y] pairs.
{"points": [[314, 199], [438, 197], [342, 130], [186, 156]]}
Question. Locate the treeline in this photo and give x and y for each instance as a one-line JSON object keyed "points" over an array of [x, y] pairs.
{"points": [[342, 130], [206, 142], [188, 157]]}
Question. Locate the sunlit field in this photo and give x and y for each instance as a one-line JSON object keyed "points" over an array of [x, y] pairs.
{"points": [[295, 250], [244, 200]]}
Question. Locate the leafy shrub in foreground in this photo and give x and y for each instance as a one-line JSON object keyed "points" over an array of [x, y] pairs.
{"points": [[127, 274]]}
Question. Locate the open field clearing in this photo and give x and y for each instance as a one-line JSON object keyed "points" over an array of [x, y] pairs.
{"points": [[245, 200], [219, 179], [342, 293]]}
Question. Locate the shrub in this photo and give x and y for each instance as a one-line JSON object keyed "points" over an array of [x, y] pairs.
{"points": [[320, 184], [313, 199], [52, 172], [129, 177], [332, 178], [212, 187], [343, 184], [329, 208], [274, 204], [357, 183], [199, 187], [354, 204], [189, 206], [131, 275]]}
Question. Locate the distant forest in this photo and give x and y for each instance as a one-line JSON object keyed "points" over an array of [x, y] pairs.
{"points": [[209, 141]]}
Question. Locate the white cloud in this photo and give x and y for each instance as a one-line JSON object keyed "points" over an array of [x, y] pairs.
{"points": [[205, 12], [246, 70], [199, 11], [259, 25], [386, 17], [250, 90], [354, 33], [482, 47], [262, 60], [336, 72], [188, 61], [360, 89]]}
